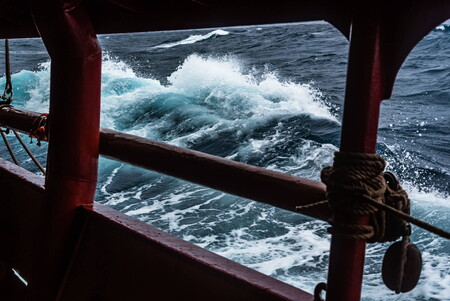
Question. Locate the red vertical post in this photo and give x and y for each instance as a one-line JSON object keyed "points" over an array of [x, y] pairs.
{"points": [[364, 93], [74, 117]]}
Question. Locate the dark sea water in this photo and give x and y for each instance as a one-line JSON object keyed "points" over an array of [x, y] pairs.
{"points": [[270, 96]]}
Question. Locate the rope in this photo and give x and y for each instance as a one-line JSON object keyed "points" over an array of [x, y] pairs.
{"points": [[402, 263], [13, 157], [353, 180], [30, 154], [356, 186], [8, 146], [415, 221], [7, 97], [8, 92], [39, 129], [312, 206]]}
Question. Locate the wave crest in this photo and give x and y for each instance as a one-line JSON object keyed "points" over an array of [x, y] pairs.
{"points": [[194, 39]]}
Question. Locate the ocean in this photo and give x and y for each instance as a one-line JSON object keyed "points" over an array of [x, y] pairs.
{"points": [[269, 96]]}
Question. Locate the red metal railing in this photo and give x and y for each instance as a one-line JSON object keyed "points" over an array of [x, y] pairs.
{"points": [[281, 190], [255, 183], [117, 257], [72, 161], [80, 245]]}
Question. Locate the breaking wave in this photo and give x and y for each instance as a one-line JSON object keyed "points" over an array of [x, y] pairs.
{"points": [[194, 39], [216, 105]]}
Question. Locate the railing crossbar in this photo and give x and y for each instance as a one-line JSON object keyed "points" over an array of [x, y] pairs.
{"points": [[247, 181]]}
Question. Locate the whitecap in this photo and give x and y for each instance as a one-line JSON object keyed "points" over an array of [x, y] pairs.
{"points": [[194, 39]]}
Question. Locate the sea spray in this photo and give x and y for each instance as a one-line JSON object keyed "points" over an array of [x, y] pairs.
{"points": [[271, 98], [194, 39]]}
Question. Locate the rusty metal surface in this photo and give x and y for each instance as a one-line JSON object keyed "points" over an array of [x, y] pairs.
{"points": [[16, 19], [119, 252], [183, 14], [359, 132], [256, 183]]}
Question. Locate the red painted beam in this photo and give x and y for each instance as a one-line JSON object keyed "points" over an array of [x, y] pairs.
{"points": [[20, 213], [119, 252], [73, 137], [359, 133], [118, 16], [382, 35], [121, 258], [22, 121], [256, 183], [252, 182]]}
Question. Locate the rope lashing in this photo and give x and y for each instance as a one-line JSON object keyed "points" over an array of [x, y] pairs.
{"points": [[8, 146], [25, 147], [356, 186], [30, 154], [353, 179], [39, 130]]}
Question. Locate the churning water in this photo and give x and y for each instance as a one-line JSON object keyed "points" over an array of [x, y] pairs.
{"points": [[270, 96]]}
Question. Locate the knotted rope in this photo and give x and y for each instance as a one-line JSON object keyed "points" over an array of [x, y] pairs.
{"points": [[356, 185]]}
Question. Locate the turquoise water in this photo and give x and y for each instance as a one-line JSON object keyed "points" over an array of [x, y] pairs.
{"points": [[269, 96]]}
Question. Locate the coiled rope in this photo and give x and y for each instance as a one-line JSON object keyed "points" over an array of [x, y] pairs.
{"points": [[356, 186]]}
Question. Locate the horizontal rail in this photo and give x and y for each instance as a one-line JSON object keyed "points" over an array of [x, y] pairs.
{"points": [[165, 267], [20, 120], [255, 183], [120, 258]]}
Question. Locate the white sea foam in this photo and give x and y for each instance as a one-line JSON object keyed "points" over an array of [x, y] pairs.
{"points": [[442, 27], [237, 99], [429, 199], [218, 87], [194, 39], [109, 180], [39, 91], [230, 97], [211, 92], [116, 68], [434, 283], [222, 83]]}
